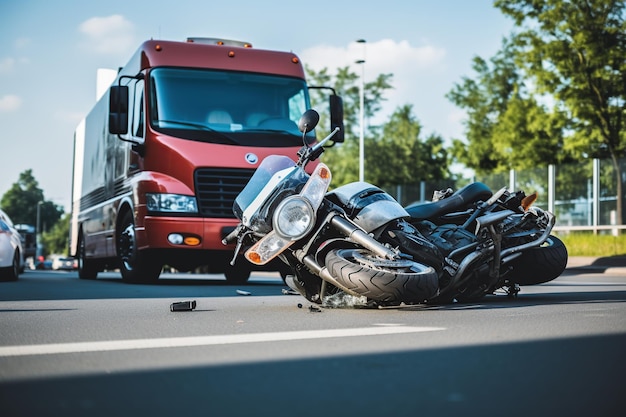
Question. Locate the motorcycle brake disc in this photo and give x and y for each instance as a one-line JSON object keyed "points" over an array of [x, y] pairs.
{"points": [[373, 261]]}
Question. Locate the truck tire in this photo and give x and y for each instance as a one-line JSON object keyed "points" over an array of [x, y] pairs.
{"points": [[541, 264], [136, 266], [86, 267], [237, 274], [388, 282]]}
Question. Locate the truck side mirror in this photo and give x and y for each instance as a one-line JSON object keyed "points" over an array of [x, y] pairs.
{"points": [[118, 110], [336, 117]]}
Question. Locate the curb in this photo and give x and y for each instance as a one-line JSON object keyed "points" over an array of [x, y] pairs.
{"points": [[597, 265]]}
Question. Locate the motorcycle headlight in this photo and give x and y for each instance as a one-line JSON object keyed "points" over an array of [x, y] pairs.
{"points": [[294, 218], [171, 203]]}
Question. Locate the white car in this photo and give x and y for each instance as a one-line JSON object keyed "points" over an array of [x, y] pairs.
{"points": [[65, 263], [11, 252]]}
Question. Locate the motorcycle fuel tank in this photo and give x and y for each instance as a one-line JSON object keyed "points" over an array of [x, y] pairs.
{"points": [[367, 205]]}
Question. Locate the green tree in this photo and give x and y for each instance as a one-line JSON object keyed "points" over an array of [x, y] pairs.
{"points": [[400, 156], [506, 128], [575, 51], [484, 98], [56, 240], [347, 85], [395, 154], [343, 159], [22, 202]]}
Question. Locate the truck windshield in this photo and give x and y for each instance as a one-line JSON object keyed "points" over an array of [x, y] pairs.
{"points": [[228, 107]]}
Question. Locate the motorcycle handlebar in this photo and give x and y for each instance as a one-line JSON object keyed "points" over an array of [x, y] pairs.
{"points": [[311, 154], [232, 236]]}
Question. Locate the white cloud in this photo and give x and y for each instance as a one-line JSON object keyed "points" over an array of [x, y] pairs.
{"points": [[21, 43], [412, 66], [384, 56], [108, 35], [9, 64], [6, 65], [9, 103]]}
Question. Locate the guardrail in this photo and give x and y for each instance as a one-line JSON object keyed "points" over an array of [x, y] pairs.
{"points": [[594, 229]]}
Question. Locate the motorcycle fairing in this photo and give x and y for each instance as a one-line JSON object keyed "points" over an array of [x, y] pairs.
{"points": [[274, 175], [368, 206], [273, 244]]}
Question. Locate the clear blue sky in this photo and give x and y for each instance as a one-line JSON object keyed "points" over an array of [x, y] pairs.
{"points": [[50, 52]]}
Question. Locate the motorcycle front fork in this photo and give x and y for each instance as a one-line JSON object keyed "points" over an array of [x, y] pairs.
{"points": [[354, 234]]}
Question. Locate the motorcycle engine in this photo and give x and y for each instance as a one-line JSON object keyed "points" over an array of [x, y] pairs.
{"points": [[405, 236], [447, 237]]}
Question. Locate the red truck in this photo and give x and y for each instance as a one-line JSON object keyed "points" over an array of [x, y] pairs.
{"points": [[164, 152]]}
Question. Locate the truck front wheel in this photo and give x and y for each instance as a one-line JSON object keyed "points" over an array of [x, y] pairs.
{"points": [[86, 267], [137, 266], [237, 274]]}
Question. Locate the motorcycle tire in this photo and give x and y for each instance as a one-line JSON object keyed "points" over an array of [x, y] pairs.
{"points": [[387, 282], [541, 264]]}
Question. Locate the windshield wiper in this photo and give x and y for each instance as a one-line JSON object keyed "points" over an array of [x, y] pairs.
{"points": [[198, 126], [256, 130]]}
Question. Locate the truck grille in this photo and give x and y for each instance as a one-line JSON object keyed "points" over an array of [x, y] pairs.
{"points": [[217, 188]]}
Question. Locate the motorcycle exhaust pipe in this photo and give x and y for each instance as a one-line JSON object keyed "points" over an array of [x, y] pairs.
{"points": [[506, 255], [359, 236], [323, 273], [455, 280], [544, 236]]}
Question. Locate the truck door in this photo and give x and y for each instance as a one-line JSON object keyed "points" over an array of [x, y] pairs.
{"points": [[137, 125]]}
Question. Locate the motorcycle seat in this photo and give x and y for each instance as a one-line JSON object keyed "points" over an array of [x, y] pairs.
{"points": [[460, 200]]}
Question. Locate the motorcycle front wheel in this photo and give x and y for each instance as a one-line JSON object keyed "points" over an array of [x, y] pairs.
{"points": [[388, 282]]}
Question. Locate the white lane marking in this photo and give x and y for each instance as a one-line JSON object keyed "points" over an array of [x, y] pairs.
{"points": [[172, 342]]}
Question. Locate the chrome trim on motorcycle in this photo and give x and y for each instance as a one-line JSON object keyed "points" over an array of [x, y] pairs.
{"points": [[323, 273], [357, 235], [544, 236]]}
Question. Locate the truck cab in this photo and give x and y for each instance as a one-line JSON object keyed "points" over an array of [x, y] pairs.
{"points": [[161, 157]]}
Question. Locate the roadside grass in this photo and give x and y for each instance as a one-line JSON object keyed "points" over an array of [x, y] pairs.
{"points": [[588, 244]]}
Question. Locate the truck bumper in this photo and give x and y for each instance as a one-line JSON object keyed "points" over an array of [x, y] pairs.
{"points": [[157, 233]]}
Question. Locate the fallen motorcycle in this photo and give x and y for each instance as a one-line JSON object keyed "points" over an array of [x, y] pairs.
{"points": [[329, 240], [357, 241], [489, 241]]}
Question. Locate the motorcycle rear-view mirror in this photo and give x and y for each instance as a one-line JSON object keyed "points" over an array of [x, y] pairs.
{"points": [[336, 117], [308, 121]]}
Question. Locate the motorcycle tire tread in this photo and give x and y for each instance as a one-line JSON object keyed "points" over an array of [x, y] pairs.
{"points": [[382, 285]]}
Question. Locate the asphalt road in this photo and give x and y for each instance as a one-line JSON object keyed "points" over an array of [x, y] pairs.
{"points": [[70, 347]]}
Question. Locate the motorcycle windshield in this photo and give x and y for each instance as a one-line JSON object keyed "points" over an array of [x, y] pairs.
{"points": [[276, 175]]}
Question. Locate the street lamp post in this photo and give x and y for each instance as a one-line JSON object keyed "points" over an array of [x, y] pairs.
{"points": [[39, 203], [361, 115]]}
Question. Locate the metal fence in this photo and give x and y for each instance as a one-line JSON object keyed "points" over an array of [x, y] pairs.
{"points": [[583, 196]]}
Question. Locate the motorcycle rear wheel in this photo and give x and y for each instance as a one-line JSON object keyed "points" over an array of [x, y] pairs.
{"points": [[388, 282], [541, 264]]}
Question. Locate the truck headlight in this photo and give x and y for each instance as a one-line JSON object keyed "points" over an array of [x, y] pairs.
{"points": [[294, 217], [171, 203]]}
